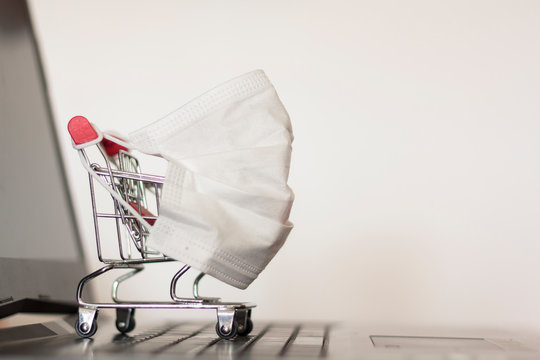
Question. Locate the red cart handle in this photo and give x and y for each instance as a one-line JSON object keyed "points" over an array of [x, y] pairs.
{"points": [[83, 133], [111, 147]]}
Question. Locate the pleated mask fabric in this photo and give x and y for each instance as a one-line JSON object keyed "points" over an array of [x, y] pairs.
{"points": [[225, 202]]}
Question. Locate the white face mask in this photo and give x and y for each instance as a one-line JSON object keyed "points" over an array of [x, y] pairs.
{"points": [[225, 202]]}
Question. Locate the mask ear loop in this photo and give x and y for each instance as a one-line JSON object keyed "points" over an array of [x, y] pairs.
{"points": [[118, 145], [113, 193]]}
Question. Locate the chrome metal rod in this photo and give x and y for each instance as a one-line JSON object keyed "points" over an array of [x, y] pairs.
{"points": [[196, 285], [116, 283], [132, 176], [84, 157], [196, 290], [174, 281], [126, 263], [130, 217], [89, 277]]}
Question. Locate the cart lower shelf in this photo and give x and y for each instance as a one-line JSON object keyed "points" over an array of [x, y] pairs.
{"points": [[233, 318]]}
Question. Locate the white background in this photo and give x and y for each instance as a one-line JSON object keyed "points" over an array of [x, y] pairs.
{"points": [[416, 160]]}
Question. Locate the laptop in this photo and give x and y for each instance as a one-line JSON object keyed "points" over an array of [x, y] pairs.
{"points": [[42, 261]]}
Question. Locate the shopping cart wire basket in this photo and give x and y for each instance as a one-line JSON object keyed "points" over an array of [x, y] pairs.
{"points": [[135, 200]]}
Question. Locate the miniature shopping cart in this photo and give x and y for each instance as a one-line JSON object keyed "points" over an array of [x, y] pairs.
{"points": [[133, 210]]}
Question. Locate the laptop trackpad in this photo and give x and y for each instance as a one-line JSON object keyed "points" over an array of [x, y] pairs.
{"points": [[421, 342]]}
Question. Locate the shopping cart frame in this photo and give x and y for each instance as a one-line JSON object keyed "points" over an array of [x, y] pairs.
{"points": [[121, 177]]}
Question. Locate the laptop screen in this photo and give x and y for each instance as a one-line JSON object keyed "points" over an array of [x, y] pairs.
{"points": [[41, 257]]}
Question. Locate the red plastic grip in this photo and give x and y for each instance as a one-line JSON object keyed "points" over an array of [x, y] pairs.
{"points": [[81, 130], [111, 148], [144, 212]]}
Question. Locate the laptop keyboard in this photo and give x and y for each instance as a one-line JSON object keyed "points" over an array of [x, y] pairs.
{"points": [[267, 341], [196, 340]]}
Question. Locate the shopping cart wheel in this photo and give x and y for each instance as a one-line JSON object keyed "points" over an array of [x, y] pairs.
{"points": [[125, 320], [225, 333], [246, 329], [84, 331]]}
